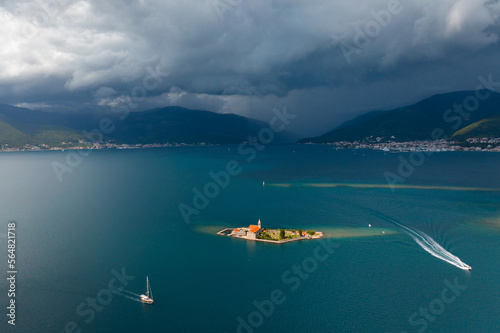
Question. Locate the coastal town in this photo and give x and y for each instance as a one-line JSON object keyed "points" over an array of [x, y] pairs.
{"points": [[258, 233], [474, 144], [378, 143], [82, 145]]}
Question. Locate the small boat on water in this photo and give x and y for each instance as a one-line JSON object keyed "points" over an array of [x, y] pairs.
{"points": [[148, 297], [468, 267]]}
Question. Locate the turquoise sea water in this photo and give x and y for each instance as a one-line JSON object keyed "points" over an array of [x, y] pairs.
{"points": [[118, 210]]}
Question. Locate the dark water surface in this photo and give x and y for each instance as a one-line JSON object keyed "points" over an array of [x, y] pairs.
{"points": [[118, 211]]}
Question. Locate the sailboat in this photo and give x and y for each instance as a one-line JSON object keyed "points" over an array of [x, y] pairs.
{"points": [[148, 297]]}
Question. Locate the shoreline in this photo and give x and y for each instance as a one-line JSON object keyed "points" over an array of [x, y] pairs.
{"points": [[416, 146], [335, 146], [34, 148]]}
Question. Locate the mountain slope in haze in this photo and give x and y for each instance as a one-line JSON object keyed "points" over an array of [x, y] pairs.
{"points": [[414, 122], [13, 137], [363, 118], [177, 124], [19, 126]]}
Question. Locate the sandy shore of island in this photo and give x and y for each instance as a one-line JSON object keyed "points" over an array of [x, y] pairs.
{"points": [[337, 232], [357, 232]]}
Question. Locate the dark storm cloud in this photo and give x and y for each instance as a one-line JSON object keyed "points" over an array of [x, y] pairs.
{"points": [[324, 59]]}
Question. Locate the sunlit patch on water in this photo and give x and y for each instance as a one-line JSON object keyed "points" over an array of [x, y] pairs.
{"points": [[491, 223], [387, 186], [209, 229]]}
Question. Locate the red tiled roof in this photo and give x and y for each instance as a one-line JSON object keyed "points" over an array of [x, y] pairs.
{"points": [[254, 228]]}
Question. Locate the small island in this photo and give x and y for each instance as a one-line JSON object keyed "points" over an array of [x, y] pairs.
{"points": [[257, 233]]}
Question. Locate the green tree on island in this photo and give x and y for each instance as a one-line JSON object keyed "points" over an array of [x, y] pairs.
{"points": [[300, 232], [282, 233]]}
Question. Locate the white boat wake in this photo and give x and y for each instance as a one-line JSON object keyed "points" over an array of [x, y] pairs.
{"points": [[122, 293], [431, 246], [126, 291]]}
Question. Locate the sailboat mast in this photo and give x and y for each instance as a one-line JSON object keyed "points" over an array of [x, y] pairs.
{"points": [[150, 291]]}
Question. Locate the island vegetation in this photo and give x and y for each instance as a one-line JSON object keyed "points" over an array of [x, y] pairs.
{"points": [[283, 234]]}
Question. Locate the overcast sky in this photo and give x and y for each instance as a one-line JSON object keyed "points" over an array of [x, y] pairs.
{"points": [[325, 60]]}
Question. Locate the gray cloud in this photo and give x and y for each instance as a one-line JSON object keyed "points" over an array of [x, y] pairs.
{"points": [[254, 56]]}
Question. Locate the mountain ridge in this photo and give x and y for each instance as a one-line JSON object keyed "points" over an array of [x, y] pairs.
{"points": [[172, 124], [416, 121]]}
